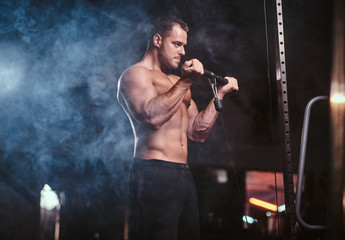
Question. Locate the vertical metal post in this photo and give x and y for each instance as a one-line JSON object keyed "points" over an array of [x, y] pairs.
{"points": [[284, 116], [336, 218]]}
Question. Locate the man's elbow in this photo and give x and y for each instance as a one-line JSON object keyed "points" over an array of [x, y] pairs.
{"points": [[152, 123], [198, 138], [201, 140]]}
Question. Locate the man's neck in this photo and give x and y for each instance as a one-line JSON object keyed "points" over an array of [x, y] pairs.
{"points": [[151, 61]]}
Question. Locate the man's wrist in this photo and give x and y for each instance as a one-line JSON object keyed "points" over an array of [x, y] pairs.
{"points": [[186, 81], [220, 96]]}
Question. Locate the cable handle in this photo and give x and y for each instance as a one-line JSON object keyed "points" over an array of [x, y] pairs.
{"points": [[218, 104], [219, 80]]}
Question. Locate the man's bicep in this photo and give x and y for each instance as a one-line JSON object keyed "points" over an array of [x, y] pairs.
{"points": [[192, 113], [136, 90]]}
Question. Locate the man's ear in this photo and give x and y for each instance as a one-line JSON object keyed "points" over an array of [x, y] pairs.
{"points": [[157, 40]]}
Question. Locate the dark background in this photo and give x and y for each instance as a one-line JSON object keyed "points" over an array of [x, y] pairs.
{"points": [[60, 122]]}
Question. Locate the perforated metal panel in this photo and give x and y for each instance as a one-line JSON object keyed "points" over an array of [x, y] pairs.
{"points": [[284, 116]]}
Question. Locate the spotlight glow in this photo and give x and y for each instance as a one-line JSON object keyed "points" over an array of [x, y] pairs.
{"points": [[281, 208], [49, 199], [263, 204], [249, 219], [338, 98]]}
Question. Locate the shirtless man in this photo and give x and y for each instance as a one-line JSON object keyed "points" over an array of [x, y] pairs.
{"points": [[163, 201]]}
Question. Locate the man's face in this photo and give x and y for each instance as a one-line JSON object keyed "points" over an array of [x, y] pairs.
{"points": [[172, 47]]}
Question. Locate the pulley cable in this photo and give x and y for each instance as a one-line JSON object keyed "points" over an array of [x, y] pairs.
{"points": [[234, 168]]}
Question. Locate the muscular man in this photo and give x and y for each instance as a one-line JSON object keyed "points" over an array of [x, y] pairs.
{"points": [[163, 202]]}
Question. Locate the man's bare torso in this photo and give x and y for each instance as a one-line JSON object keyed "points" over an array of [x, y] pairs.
{"points": [[169, 141]]}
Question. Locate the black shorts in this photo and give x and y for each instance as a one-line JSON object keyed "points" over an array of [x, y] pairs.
{"points": [[163, 201]]}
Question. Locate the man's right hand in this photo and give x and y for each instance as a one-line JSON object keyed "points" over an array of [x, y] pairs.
{"points": [[191, 70]]}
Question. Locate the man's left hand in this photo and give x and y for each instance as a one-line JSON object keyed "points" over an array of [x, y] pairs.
{"points": [[232, 85]]}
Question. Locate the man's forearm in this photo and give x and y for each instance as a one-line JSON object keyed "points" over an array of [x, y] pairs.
{"points": [[161, 108], [203, 123]]}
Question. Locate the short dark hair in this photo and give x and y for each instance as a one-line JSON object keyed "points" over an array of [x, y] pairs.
{"points": [[163, 25]]}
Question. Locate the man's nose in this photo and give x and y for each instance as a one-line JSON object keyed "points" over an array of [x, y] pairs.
{"points": [[182, 51]]}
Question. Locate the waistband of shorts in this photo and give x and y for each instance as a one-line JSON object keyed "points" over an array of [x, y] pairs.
{"points": [[138, 162]]}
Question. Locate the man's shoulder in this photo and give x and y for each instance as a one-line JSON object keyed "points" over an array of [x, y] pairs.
{"points": [[135, 71]]}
